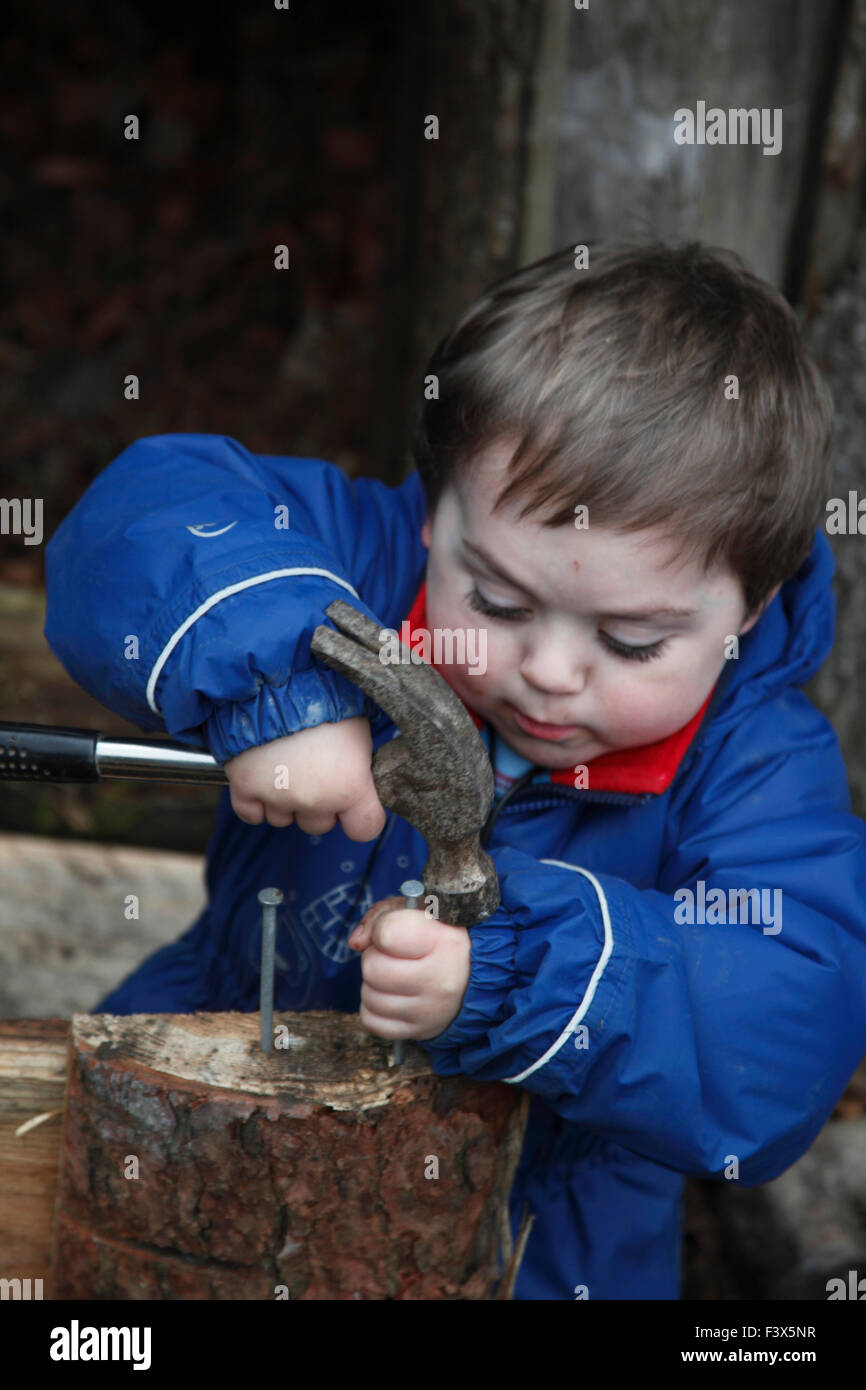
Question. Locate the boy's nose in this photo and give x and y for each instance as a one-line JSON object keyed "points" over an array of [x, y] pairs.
{"points": [[555, 672]]}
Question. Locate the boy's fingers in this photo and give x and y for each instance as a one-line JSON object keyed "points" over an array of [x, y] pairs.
{"points": [[391, 977], [248, 809], [387, 1028], [365, 818], [404, 932], [315, 822], [362, 936], [359, 939], [386, 1005]]}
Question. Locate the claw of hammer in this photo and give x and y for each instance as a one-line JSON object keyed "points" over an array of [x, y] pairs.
{"points": [[436, 774]]}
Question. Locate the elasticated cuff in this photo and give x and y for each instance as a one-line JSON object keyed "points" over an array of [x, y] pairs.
{"points": [[492, 981], [313, 697]]}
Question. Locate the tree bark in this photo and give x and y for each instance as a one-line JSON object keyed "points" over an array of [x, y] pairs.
{"points": [[194, 1166]]}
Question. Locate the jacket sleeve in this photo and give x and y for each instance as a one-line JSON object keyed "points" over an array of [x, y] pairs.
{"points": [[689, 1043], [184, 586]]}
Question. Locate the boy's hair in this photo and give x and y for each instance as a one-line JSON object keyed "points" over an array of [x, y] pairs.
{"points": [[614, 383]]}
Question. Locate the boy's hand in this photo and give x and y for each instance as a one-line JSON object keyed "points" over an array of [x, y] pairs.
{"points": [[415, 970], [327, 769]]}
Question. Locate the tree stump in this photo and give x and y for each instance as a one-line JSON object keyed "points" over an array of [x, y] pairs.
{"points": [[195, 1166]]}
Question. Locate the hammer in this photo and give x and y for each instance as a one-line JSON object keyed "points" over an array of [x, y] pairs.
{"points": [[436, 773]]}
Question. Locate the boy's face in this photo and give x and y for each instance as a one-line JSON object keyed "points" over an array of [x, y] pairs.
{"points": [[573, 591]]}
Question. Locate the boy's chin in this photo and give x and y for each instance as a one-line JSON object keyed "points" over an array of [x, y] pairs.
{"points": [[553, 756]]}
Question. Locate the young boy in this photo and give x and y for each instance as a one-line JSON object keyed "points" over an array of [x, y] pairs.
{"points": [[621, 469]]}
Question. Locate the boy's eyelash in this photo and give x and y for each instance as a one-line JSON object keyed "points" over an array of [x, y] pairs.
{"points": [[483, 605], [634, 653], [491, 610]]}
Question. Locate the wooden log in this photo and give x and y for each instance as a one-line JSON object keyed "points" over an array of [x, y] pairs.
{"points": [[33, 1056], [194, 1166]]}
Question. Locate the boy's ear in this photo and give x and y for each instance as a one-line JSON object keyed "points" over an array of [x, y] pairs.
{"points": [[750, 622]]}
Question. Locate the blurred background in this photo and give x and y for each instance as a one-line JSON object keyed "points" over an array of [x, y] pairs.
{"points": [[306, 127]]}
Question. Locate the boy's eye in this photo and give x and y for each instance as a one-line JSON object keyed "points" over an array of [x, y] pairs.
{"points": [[633, 653], [481, 604]]}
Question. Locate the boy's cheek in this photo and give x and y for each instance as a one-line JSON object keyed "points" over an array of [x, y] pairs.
{"points": [[481, 684], [643, 714]]}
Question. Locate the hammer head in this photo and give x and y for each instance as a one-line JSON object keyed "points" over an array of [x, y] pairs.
{"points": [[436, 774]]}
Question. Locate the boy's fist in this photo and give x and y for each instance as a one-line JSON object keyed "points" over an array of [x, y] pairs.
{"points": [[316, 777], [415, 970]]}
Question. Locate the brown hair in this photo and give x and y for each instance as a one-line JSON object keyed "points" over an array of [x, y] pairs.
{"points": [[611, 380]]}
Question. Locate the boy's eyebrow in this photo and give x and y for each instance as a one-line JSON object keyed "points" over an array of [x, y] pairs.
{"points": [[491, 564], [643, 615]]}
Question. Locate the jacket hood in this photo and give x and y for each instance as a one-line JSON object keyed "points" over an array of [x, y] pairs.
{"points": [[790, 642]]}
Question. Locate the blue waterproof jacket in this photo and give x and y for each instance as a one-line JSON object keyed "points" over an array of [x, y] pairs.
{"points": [[653, 1046]]}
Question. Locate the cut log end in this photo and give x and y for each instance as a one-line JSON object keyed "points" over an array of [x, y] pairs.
{"points": [[319, 1056]]}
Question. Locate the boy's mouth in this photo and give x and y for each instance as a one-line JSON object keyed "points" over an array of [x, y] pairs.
{"points": [[554, 732]]}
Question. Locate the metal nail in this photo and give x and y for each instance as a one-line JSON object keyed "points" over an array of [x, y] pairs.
{"points": [[413, 896], [270, 899]]}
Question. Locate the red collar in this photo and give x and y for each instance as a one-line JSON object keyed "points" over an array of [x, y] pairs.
{"points": [[649, 768]]}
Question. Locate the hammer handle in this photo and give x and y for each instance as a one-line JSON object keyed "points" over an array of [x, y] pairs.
{"points": [[54, 753]]}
